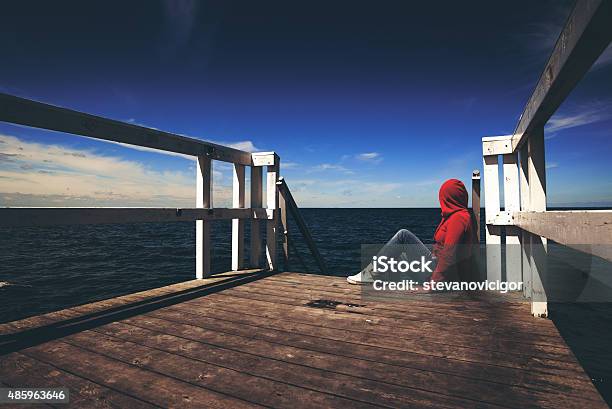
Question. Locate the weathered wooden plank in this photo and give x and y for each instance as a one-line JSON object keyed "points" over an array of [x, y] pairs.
{"points": [[431, 312], [130, 379], [502, 338], [52, 216], [586, 34], [459, 300], [372, 330], [264, 361], [468, 309], [39, 115], [221, 370], [471, 308], [461, 303], [589, 231], [418, 371], [22, 371], [363, 346]]}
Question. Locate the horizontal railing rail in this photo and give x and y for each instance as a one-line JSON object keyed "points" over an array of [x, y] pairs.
{"points": [[35, 114], [53, 216], [584, 230]]}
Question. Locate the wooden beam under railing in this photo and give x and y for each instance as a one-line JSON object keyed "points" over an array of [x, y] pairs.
{"points": [[589, 231], [23, 111], [49, 216]]}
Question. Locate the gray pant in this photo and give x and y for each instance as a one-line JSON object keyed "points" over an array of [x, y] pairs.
{"points": [[404, 245]]}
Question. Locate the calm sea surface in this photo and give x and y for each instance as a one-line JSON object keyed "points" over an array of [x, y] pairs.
{"points": [[45, 269]]}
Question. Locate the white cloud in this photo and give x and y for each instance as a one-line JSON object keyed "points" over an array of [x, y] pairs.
{"points": [[31, 172], [333, 167], [342, 192], [247, 146], [552, 165], [372, 157], [604, 59], [289, 165], [584, 116]]}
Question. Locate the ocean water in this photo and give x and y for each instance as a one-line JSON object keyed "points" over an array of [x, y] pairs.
{"points": [[43, 269]]}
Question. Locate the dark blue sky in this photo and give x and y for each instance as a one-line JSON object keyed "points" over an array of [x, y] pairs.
{"points": [[367, 103]]}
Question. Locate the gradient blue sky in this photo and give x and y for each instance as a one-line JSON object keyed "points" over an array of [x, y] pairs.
{"points": [[369, 104]]}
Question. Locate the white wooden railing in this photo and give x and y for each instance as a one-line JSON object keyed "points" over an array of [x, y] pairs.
{"points": [[527, 223], [36, 114]]}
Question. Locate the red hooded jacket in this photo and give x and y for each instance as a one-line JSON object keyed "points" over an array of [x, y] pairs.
{"points": [[455, 236]]}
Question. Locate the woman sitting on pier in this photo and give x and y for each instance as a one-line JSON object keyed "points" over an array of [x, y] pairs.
{"points": [[454, 240]]}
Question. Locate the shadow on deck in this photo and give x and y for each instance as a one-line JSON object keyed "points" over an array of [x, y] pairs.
{"points": [[294, 340]]}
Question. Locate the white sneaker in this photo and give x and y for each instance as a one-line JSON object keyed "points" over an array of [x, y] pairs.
{"points": [[360, 278]]}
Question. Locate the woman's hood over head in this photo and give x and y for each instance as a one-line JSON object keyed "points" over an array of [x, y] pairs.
{"points": [[453, 197]]}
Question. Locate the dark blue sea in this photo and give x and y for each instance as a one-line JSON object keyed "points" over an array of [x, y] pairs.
{"points": [[46, 269]]}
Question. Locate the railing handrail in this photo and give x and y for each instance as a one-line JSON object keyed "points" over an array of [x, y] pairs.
{"points": [[36, 114], [585, 35], [56, 216]]}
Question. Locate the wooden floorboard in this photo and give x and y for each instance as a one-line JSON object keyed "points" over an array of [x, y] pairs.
{"points": [[293, 340], [463, 310], [23, 371], [427, 380], [405, 319], [382, 332], [130, 379], [299, 338]]}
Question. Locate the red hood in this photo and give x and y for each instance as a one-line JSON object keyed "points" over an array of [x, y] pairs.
{"points": [[453, 197]]}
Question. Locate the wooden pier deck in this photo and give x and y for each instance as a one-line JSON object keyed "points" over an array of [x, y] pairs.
{"points": [[294, 340]]}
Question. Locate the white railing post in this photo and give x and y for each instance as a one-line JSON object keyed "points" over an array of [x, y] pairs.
{"points": [[203, 200], [512, 204], [272, 204], [493, 233], [537, 203], [238, 188], [476, 201], [525, 236], [256, 202]]}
